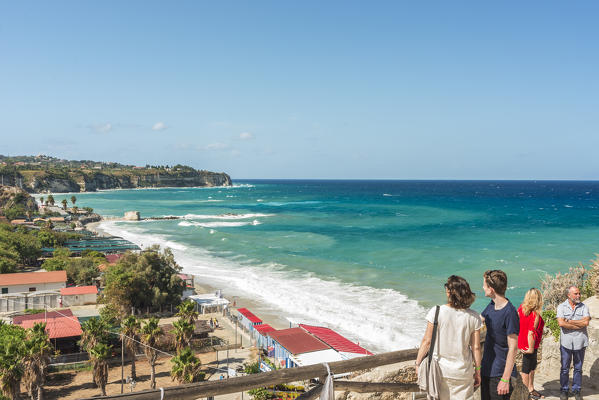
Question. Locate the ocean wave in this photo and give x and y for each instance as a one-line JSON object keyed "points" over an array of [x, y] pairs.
{"points": [[290, 203], [219, 224], [380, 319], [226, 216]]}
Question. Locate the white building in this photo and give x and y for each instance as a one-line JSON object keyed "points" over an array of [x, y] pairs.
{"points": [[32, 281], [79, 295]]}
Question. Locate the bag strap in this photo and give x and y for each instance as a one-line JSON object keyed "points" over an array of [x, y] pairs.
{"points": [[432, 347]]}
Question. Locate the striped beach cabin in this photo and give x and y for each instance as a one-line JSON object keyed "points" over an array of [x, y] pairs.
{"points": [[344, 346], [248, 320], [263, 341]]}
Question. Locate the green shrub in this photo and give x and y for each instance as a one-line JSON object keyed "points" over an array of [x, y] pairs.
{"points": [[551, 323]]}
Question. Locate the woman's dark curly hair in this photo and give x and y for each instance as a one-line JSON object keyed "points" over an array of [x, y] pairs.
{"points": [[460, 295]]}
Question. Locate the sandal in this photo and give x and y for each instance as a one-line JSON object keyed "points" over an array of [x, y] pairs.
{"points": [[535, 395]]}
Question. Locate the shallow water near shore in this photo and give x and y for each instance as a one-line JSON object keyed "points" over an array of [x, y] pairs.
{"points": [[362, 257]]}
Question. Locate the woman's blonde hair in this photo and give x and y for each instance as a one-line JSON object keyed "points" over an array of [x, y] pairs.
{"points": [[533, 301]]}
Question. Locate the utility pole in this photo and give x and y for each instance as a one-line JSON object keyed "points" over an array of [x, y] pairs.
{"points": [[122, 361]]}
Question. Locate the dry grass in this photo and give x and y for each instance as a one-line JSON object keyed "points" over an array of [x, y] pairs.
{"points": [[555, 287]]}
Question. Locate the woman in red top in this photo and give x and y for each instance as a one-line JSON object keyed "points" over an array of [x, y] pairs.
{"points": [[529, 338]]}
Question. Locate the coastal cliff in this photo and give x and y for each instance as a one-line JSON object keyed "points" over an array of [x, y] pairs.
{"points": [[46, 174], [81, 181]]}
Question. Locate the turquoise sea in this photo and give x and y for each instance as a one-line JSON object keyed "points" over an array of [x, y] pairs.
{"points": [[364, 257]]}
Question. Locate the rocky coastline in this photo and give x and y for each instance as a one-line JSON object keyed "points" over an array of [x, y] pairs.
{"points": [[80, 182]]}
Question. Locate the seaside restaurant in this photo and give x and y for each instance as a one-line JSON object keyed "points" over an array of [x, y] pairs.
{"points": [[263, 341], [248, 320], [345, 347], [294, 347]]}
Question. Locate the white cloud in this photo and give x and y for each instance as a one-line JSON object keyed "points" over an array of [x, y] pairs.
{"points": [[245, 136], [159, 126], [214, 147], [102, 128]]}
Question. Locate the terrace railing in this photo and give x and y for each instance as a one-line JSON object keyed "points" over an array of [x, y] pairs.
{"points": [[243, 383]]}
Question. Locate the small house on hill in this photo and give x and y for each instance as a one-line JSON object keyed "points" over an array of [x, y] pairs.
{"points": [[79, 295], [64, 329], [32, 281]]}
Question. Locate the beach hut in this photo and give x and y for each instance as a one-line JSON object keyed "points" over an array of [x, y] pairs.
{"points": [[79, 295], [346, 348], [247, 319], [291, 345], [263, 341]]}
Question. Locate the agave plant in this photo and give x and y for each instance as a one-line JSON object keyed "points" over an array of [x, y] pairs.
{"points": [[186, 367], [99, 355], [130, 329], [150, 332]]}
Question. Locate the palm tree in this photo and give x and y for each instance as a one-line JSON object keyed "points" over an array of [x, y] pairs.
{"points": [[64, 204], [36, 360], [95, 331], [99, 354], [130, 329], [75, 210], [11, 367], [187, 311], [183, 331], [50, 200], [73, 199], [186, 367], [42, 200], [150, 332]]}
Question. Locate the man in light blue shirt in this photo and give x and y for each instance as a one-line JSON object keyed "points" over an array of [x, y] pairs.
{"points": [[573, 317]]}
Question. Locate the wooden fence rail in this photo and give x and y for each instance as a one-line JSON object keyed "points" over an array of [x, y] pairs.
{"points": [[239, 384]]}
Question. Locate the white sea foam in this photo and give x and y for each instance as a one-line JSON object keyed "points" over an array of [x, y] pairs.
{"points": [[219, 224], [380, 319], [226, 216]]}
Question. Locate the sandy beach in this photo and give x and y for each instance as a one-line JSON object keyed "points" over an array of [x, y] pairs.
{"points": [[237, 300]]}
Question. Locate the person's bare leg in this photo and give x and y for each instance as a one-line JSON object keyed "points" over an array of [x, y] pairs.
{"points": [[525, 379]]}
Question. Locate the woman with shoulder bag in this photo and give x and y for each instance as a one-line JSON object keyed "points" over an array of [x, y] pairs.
{"points": [[529, 338], [456, 348]]}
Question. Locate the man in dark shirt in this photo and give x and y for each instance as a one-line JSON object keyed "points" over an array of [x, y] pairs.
{"points": [[501, 343]]}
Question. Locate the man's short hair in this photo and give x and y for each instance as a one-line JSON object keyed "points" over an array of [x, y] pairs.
{"points": [[497, 280]]}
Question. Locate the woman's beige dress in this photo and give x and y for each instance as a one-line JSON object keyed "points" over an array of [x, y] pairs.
{"points": [[452, 349]]}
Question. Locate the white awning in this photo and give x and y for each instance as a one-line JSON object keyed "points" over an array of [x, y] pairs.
{"points": [[209, 299], [316, 357]]}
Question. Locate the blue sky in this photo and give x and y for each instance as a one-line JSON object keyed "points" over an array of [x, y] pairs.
{"points": [[310, 89]]}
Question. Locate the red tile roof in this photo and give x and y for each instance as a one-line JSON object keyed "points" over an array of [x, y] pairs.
{"points": [[249, 315], [264, 328], [30, 278], [113, 258], [57, 326], [298, 341], [50, 314], [69, 291], [335, 340]]}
